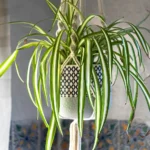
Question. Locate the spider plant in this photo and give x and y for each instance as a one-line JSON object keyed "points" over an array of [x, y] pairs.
{"points": [[78, 43]]}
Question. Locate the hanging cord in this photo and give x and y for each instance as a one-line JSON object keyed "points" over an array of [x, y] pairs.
{"points": [[73, 45], [101, 10], [100, 7], [75, 140], [59, 23]]}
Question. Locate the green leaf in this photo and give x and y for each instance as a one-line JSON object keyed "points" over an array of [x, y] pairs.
{"points": [[136, 43], [81, 98], [23, 41], [51, 132], [105, 86], [4, 66], [127, 86], [54, 68], [143, 88], [73, 11], [51, 6], [43, 41], [135, 96], [43, 78], [35, 87], [126, 64], [115, 78], [110, 52], [138, 80], [76, 9], [88, 69], [35, 27], [43, 72], [81, 43], [91, 35], [61, 17], [140, 37], [143, 20], [126, 61], [28, 78], [82, 55], [18, 72], [97, 109], [29, 45], [39, 87], [70, 12], [137, 48], [58, 80], [114, 23], [86, 21], [49, 18], [58, 14], [102, 112], [143, 28]]}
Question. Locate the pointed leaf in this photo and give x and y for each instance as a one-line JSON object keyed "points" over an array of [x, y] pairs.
{"points": [[51, 133], [87, 20], [36, 90], [88, 69], [54, 91], [8, 62], [110, 52], [81, 98], [102, 109], [18, 72], [97, 107]]}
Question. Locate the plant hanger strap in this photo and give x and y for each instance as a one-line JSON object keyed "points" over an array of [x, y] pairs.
{"points": [[75, 139], [81, 6], [100, 7]]}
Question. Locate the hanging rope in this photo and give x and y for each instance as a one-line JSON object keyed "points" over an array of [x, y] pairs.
{"points": [[75, 139], [100, 7], [59, 23]]}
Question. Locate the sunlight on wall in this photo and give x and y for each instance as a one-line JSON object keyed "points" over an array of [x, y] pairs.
{"points": [[5, 81]]}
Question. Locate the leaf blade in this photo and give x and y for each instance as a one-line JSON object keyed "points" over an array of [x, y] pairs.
{"points": [[8, 62], [81, 98], [88, 69], [54, 80]]}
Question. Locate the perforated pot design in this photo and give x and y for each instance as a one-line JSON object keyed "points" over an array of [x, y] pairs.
{"points": [[69, 93]]}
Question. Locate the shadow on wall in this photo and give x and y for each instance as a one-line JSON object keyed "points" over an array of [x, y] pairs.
{"points": [[31, 135]]}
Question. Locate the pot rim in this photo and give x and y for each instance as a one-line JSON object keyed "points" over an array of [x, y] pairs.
{"points": [[78, 66]]}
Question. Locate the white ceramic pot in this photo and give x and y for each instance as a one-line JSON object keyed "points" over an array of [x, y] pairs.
{"points": [[69, 92]]}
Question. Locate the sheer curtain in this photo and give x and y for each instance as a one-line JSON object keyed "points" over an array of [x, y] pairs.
{"points": [[5, 81]]}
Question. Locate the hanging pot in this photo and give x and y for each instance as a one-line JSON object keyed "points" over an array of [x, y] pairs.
{"points": [[69, 93]]}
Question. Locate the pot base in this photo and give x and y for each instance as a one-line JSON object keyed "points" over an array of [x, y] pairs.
{"points": [[69, 108]]}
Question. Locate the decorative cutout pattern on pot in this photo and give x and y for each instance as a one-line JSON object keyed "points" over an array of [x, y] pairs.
{"points": [[70, 79]]}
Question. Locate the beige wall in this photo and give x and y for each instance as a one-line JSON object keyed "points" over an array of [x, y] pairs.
{"points": [[133, 11], [5, 81]]}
